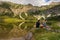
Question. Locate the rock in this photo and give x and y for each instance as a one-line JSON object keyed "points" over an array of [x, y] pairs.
{"points": [[29, 36]]}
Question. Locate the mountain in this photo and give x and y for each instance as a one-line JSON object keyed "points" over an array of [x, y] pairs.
{"points": [[12, 9], [55, 3]]}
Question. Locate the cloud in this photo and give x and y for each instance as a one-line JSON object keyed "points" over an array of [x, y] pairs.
{"points": [[33, 2], [47, 0]]}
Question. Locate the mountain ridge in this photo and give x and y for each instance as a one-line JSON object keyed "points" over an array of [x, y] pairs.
{"points": [[16, 9]]}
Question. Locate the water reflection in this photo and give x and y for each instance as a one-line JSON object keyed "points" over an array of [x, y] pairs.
{"points": [[25, 25], [14, 29], [19, 24]]}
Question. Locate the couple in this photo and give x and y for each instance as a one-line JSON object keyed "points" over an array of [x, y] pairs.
{"points": [[41, 24]]}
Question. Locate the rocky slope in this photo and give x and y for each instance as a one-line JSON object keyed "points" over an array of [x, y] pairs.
{"points": [[12, 9]]}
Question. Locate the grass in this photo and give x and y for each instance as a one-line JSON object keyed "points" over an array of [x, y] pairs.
{"points": [[40, 34], [47, 36], [7, 19], [43, 34], [12, 20]]}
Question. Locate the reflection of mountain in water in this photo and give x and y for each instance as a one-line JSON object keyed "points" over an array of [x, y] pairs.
{"points": [[14, 30]]}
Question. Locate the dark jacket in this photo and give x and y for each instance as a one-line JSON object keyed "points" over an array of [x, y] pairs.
{"points": [[37, 24]]}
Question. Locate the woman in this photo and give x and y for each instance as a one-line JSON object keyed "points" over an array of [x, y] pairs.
{"points": [[45, 25]]}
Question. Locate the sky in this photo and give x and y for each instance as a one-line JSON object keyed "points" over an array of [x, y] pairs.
{"points": [[33, 2]]}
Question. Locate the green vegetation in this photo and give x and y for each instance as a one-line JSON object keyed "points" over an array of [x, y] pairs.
{"points": [[11, 25], [47, 36]]}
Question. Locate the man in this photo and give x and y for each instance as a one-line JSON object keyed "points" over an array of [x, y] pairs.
{"points": [[38, 24]]}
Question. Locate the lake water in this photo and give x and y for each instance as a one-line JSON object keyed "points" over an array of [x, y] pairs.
{"points": [[19, 29]]}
